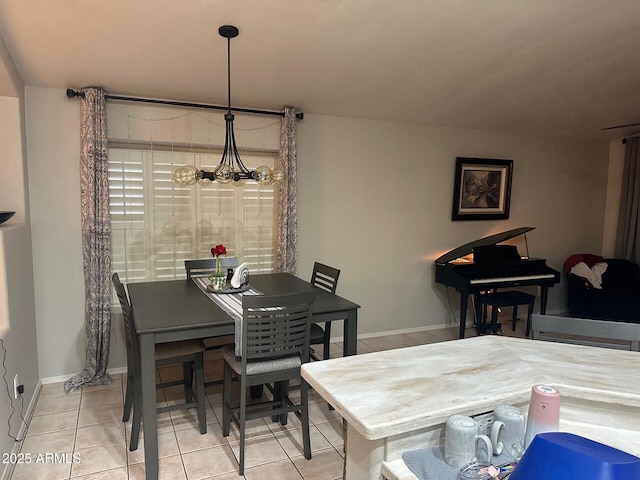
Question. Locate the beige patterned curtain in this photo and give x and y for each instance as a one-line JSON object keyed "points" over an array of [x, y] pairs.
{"points": [[287, 257], [628, 233], [96, 239]]}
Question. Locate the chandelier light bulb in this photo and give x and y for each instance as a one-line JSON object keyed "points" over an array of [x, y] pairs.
{"points": [[186, 175], [224, 173], [263, 175]]}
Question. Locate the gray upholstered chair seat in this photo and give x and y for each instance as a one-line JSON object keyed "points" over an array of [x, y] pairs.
{"points": [[259, 367]]}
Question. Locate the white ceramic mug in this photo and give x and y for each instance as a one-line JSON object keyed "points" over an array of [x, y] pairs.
{"points": [[462, 441], [507, 431]]}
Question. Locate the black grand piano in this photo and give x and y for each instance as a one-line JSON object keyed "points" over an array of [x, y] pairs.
{"points": [[493, 266]]}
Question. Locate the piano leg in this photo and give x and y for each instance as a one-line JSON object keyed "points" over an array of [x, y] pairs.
{"points": [[494, 320], [481, 315], [543, 300], [463, 312]]}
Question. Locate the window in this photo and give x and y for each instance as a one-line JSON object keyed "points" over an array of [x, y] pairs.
{"points": [[157, 224]]}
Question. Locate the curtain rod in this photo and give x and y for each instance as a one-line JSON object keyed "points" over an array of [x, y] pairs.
{"points": [[74, 93]]}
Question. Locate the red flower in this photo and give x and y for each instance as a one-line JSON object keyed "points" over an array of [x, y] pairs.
{"points": [[218, 250]]}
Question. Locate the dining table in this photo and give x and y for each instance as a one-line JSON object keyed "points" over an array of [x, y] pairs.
{"points": [[167, 311]]}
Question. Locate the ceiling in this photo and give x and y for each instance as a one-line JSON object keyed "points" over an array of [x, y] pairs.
{"points": [[564, 68]]}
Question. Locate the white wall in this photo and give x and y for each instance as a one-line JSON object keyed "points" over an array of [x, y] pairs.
{"points": [[374, 200], [11, 84]]}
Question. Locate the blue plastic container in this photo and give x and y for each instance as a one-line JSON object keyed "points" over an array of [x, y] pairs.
{"points": [[565, 456]]}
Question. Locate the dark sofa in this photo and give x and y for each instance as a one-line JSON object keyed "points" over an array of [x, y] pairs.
{"points": [[618, 300]]}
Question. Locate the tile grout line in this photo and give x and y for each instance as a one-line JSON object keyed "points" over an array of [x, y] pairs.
{"points": [[75, 436]]}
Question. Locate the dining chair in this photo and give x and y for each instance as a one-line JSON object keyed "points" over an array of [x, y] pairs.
{"points": [[325, 278], [273, 346], [583, 331], [202, 268], [189, 353], [206, 266]]}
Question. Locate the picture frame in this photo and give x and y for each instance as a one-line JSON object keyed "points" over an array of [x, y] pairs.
{"points": [[482, 189]]}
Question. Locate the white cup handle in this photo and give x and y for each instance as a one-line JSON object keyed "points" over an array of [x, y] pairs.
{"points": [[487, 443], [495, 433]]}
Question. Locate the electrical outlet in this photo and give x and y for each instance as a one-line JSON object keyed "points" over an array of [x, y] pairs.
{"points": [[16, 382]]}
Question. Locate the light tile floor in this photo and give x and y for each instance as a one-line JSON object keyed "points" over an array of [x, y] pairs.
{"points": [[85, 429]]}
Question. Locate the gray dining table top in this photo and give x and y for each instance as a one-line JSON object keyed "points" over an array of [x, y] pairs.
{"points": [[179, 304]]}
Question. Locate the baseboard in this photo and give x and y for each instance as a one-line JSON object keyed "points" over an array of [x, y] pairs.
{"points": [[17, 446], [400, 331], [426, 328], [64, 378]]}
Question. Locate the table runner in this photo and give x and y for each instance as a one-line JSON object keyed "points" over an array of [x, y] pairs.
{"points": [[230, 303]]}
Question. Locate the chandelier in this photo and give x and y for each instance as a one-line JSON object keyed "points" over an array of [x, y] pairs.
{"points": [[230, 169]]}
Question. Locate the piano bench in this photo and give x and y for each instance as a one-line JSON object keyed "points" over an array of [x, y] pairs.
{"points": [[511, 298]]}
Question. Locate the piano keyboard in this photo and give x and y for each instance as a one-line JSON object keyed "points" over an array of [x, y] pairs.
{"points": [[479, 281]]}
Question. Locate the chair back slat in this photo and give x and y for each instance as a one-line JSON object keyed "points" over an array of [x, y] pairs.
{"points": [[584, 331], [206, 266], [325, 277], [133, 353], [276, 326]]}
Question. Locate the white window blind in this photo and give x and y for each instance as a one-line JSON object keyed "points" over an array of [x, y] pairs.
{"points": [[157, 224]]}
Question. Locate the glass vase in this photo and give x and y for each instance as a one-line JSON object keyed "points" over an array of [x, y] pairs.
{"points": [[218, 281]]}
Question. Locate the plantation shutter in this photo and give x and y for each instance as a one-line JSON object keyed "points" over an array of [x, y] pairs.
{"points": [[157, 224]]}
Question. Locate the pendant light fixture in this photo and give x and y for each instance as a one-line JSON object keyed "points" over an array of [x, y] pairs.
{"points": [[230, 169]]}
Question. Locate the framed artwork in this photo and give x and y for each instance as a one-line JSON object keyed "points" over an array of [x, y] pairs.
{"points": [[482, 189]]}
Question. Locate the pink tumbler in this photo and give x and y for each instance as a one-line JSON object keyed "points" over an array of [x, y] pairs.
{"points": [[544, 412]]}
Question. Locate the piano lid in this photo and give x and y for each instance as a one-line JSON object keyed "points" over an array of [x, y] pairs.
{"points": [[482, 242]]}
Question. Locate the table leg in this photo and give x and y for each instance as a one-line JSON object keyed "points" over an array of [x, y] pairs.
{"points": [[149, 416], [350, 333]]}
